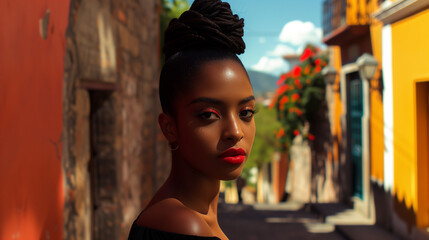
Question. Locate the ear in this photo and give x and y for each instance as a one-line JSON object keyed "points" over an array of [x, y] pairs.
{"points": [[168, 127]]}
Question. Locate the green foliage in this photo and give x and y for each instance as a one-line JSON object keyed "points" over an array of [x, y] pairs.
{"points": [[264, 143], [299, 95], [171, 9]]}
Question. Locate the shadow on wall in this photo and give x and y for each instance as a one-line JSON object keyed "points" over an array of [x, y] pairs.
{"points": [[392, 212], [378, 85], [408, 214], [324, 174]]}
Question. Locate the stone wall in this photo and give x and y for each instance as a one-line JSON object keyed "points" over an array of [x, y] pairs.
{"points": [[314, 175], [114, 155], [300, 178], [325, 169]]}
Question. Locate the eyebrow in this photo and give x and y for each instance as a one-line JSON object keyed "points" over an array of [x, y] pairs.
{"points": [[219, 102], [246, 100]]}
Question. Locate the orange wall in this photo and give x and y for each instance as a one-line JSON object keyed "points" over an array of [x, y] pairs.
{"points": [[31, 76], [359, 11], [376, 118], [410, 65], [279, 171], [336, 125]]}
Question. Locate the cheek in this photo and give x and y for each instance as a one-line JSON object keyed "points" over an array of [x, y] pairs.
{"points": [[250, 132], [200, 140]]}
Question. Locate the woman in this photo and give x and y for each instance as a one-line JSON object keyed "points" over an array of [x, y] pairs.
{"points": [[208, 107]]}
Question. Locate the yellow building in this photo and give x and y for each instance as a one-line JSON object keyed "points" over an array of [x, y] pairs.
{"points": [[406, 76], [356, 104], [381, 123]]}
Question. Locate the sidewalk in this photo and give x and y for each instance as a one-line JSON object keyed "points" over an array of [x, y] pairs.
{"points": [[350, 223], [283, 221]]}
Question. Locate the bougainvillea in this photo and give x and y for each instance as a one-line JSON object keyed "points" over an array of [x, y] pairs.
{"points": [[299, 95]]}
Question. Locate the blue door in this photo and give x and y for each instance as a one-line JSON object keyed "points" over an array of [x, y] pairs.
{"points": [[355, 110]]}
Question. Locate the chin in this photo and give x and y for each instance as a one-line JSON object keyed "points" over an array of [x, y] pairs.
{"points": [[229, 178], [231, 175]]}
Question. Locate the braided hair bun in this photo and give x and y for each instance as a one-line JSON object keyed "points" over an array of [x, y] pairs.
{"points": [[208, 24], [209, 31]]}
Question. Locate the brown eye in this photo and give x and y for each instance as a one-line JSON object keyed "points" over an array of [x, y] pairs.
{"points": [[247, 113], [209, 115]]}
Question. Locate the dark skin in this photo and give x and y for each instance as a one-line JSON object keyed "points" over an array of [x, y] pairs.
{"points": [[213, 116]]}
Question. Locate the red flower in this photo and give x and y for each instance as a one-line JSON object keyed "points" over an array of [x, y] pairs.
{"points": [[298, 83], [296, 132], [306, 54], [311, 137], [307, 70], [281, 79], [280, 133], [296, 71], [318, 61], [284, 100], [318, 68], [282, 89], [296, 110], [295, 97]]}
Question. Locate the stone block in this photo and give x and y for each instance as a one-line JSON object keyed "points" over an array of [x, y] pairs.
{"points": [[129, 159], [128, 42], [121, 16]]}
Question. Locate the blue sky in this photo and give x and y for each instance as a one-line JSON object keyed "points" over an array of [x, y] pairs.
{"points": [[265, 22]]}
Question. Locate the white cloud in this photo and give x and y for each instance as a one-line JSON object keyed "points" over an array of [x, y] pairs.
{"points": [[300, 49], [281, 50], [300, 33], [271, 65], [293, 38]]}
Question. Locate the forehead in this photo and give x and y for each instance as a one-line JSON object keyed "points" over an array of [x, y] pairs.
{"points": [[219, 78]]}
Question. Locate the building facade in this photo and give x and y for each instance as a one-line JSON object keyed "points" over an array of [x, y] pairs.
{"points": [[406, 78], [383, 120], [81, 153]]}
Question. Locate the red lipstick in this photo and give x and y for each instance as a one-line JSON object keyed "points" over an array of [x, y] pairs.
{"points": [[233, 156]]}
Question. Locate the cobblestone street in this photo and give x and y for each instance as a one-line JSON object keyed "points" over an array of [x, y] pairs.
{"points": [[281, 221]]}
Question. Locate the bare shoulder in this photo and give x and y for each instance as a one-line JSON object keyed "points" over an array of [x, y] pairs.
{"points": [[171, 215]]}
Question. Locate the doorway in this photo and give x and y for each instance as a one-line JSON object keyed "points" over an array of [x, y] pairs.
{"points": [[355, 110], [422, 134], [102, 165]]}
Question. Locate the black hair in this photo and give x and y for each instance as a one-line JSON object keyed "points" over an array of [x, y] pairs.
{"points": [[208, 31]]}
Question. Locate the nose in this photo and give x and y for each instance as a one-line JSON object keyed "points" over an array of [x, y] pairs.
{"points": [[232, 130]]}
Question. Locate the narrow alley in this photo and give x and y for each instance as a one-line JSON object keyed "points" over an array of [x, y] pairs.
{"points": [[327, 109], [281, 221]]}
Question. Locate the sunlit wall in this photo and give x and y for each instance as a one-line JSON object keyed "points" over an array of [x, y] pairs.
{"points": [[410, 65], [31, 75]]}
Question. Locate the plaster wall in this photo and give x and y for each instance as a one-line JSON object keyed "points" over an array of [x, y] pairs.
{"points": [[31, 74], [409, 66]]}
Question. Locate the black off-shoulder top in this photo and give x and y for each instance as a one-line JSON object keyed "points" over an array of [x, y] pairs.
{"points": [[142, 233]]}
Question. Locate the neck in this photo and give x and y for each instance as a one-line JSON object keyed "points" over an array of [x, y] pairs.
{"points": [[192, 188]]}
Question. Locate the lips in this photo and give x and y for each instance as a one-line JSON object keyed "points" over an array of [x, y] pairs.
{"points": [[233, 156]]}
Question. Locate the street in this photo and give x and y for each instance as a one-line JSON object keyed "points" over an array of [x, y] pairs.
{"points": [[280, 221]]}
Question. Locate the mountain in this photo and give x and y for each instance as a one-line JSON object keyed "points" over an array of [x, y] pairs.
{"points": [[262, 82]]}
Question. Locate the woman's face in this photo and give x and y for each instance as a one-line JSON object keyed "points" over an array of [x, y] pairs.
{"points": [[214, 120]]}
